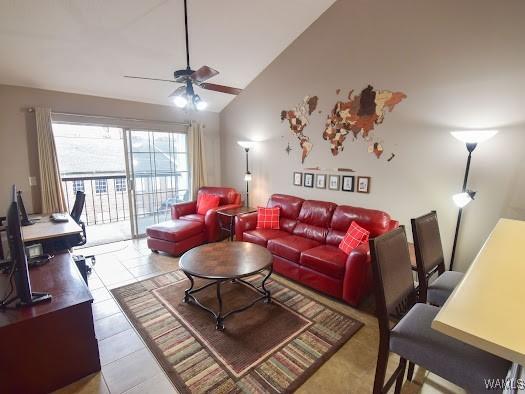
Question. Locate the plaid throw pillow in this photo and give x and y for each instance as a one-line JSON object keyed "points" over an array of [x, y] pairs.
{"points": [[355, 236], [268, 217]]}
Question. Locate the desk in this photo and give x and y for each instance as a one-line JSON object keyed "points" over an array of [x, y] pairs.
{"points": [[46, 229], [49, 345], [486, 308]]}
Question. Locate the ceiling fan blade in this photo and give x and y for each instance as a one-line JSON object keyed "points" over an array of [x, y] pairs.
{"points": [[220, 88], [149, 79], [203, 74], [178, 91]]}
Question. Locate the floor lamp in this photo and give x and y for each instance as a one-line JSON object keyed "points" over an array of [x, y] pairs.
{"points": [[247, 175], [471, 138]]}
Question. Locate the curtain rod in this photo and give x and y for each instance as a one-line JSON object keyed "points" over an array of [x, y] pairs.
{"points": [[117, 118]]}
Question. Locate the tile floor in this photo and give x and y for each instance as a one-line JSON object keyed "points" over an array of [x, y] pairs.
{"points": [[129, 367]]}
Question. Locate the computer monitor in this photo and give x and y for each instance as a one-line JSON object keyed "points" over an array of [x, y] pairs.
{"points": [[19, 260], [25, 221]]}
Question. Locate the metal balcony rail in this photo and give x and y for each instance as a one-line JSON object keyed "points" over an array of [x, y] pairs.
{"points": [[107, 198]]}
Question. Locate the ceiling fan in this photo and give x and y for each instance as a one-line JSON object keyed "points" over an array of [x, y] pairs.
{"points": [[185, 95]]}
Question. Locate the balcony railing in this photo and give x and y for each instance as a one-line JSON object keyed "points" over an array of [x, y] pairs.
{"points": [[107, 198]]}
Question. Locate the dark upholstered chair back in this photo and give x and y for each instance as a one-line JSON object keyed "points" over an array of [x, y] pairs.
{"points": [[394, 284], [78, 207], [427, 243]]}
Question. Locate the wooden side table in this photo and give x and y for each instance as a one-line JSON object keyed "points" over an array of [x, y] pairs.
{"points": [[229, 215]]}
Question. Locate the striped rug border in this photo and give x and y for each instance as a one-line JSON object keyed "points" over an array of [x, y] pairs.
{"points": [[177, 275]]}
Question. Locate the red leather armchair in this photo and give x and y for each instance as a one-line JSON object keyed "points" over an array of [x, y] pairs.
{"points": [[229, 198], [187, 228], [305, 248]]}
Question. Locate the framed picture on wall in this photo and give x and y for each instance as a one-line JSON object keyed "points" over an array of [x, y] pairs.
{"points": [[348, 183], [333, 182], [298, 179], [363, 184], [320, 181], [308, 180]]}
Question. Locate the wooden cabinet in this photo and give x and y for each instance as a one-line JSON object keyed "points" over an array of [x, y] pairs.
{"points": [[50, 345]]}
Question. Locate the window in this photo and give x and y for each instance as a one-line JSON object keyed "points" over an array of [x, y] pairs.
{"points": [[120, 184], [78, 186], [101, 186]]}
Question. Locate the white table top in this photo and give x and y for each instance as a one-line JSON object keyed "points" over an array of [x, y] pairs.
{"points": [[44, 228], [486, 310]]}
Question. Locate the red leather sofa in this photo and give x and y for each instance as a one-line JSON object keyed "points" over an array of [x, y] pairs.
{"points": [[187, 228], [305, 248]]}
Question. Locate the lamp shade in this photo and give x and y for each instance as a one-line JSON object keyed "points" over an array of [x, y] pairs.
{"points": [[462, 199], [246, 144], [474, 136]]}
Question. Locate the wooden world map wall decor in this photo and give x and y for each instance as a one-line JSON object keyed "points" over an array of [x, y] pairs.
{"points": [[298, 118], [359, 116]]}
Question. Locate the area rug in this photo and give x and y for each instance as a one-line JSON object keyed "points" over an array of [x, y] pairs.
{"points": [[269, 348]]}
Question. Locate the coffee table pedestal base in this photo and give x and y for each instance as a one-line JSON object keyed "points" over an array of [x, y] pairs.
{"points": [[219, 316]]}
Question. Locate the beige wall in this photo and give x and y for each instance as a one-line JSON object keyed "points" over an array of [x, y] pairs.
{"points": [[18, 150], [461, 65]]}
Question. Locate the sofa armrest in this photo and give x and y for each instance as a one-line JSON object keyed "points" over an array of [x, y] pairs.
{"points": [[243, 223], [393, 225], [357, 282], [183, 208], [211, 221]]}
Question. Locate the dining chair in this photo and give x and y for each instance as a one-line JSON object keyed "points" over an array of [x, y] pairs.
{"points": [[412, 337], [430, 260]]}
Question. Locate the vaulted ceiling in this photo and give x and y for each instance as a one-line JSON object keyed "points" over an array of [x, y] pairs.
{"points": [[86, 47]]}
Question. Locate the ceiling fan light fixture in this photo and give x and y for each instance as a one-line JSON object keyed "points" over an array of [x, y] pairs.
{"points": [[180, 101], [199, 103]]}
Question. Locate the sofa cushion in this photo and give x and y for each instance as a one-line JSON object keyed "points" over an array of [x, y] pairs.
{"points": [[326, 259], [263, 235], [290, 208], [377, 222], [194, 217], [317, 213], [175, 230], [314, 219], [227, 195], [311, 232], [205, 202], [291, 246]]}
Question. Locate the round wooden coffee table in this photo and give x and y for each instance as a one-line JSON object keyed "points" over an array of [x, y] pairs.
{"points": [[225, 261]]}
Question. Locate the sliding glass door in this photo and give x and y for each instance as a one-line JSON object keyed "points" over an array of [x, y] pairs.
{"points": [[157, 164]]}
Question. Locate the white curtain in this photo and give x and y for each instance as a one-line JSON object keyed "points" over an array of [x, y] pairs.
{"points": [[197, 158], [53, 199]]}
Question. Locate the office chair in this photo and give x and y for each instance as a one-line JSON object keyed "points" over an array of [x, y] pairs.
{"points": [[76, 213], [3, 229]]}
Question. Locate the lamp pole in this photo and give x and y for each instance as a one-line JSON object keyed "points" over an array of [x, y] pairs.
{"points": [[247, 175], [470, 148]]}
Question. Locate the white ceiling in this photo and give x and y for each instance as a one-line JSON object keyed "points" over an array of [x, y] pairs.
{"points": [[85, 47]]}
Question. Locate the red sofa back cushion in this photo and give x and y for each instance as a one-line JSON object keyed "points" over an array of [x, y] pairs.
{"points": [[377, 222], [290, 208], [314, 220], [227, 195]]}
